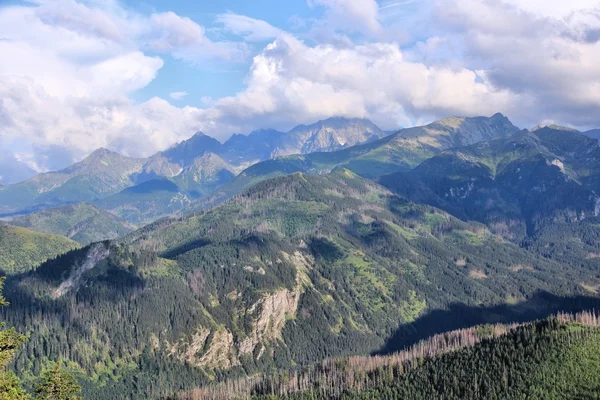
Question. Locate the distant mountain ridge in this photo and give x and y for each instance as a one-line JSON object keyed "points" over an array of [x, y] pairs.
{"points": [[201, 165], [461, 131], [514, 183], [398, 152], [196, 166], [595, 133], [82, 222], [101, 174]]}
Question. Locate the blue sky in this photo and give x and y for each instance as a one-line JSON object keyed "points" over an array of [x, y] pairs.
{"points": [[214, 80], [137, 77]]}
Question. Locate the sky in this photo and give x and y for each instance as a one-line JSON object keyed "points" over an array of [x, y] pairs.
{"points": [[137, 77]]}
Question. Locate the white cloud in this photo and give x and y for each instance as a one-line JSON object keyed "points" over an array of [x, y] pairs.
{"points": [[178, 95], [553, 8], [67, 73], [290, 82], [351, 15], [253, 30], [186, 40], [68, 69], [550, 61]]}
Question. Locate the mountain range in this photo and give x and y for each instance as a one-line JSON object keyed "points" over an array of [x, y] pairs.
{"points": [[195, 166], [237, 270], [401, 151], [289, 272], [595, 133], [515, 184]]}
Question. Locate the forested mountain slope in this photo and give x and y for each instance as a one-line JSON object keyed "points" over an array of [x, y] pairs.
{"points": [[22, 249], [556, 358], [292, 271], [515, 185], [82, 222]]}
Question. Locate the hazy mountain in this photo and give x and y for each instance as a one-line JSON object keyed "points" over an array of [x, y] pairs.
{"points": [[461, 131], [323, 136], [105, 173], [257, 146], [554, 127], [327, 135], [146, 201], [156, 198], [14, 171], [399, 152], [517, 184], [200, 165], [204, 174], [100, 174], [290, 272], [22, 249], [595, 133], [172, 162], [82, 222]]}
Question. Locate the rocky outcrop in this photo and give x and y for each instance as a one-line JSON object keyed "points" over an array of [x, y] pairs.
{"points": [[270, 315], [209, 349], [97, 253], [217, 348]]}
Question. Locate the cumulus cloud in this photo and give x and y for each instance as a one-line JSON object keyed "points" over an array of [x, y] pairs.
{"points": [[291, 82], [68, 70], [544, 55], [66, 87]]}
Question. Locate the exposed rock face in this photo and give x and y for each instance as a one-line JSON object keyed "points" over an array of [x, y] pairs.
{"points": [[160, 166], [271, 314], [328, 135], [211, 350], [97, 253], [216, 347]]}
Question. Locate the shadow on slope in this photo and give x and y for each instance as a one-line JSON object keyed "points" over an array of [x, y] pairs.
{"points": [[457, 316]]}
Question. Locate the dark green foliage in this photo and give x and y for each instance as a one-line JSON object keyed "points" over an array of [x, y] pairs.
{"points": [[10, 341], [56, 384], [360, 261], [545, 360]]}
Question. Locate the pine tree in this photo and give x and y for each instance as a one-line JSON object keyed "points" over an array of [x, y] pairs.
{"points": [[10, 340], [56, 384]]}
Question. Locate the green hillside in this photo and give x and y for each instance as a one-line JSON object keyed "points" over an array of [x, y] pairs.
{"points": [[548, 359], [22, 249], [290, 272], [516, 185], [82, 222]]}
